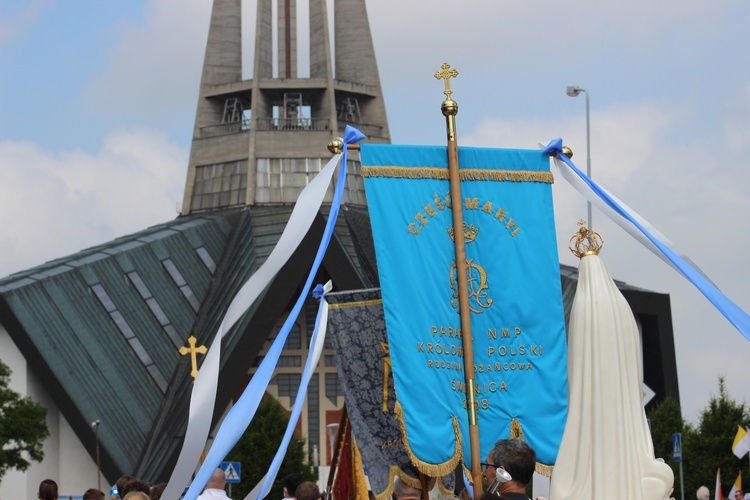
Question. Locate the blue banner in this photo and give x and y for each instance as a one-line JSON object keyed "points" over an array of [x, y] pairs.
{"points": [[515, 298], [356, 328]]}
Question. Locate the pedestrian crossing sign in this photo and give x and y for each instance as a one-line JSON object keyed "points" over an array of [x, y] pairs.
{"points": [[231, 471]]}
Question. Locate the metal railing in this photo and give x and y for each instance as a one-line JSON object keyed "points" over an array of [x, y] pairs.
{"points": [[369, 130], [225, 128], [291, 124]]}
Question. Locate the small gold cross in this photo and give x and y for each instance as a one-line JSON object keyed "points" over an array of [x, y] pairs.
{"points": [[193, 351], [446, 74]]}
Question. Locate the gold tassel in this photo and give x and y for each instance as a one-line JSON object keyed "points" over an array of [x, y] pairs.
{"points": [[516, 431], [432, 470]]}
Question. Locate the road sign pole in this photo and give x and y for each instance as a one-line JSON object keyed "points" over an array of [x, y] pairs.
{"points": [[677, 456]]}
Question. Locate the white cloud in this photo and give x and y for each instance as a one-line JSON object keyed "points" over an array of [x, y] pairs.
{"points": [[56, 203], [154, 71]]}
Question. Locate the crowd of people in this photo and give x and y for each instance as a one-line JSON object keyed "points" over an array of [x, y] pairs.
{"points": [[131, 488], [513, 456], [126, 488]]}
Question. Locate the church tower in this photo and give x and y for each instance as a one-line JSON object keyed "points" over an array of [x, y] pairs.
{"points": [[260, 141]]}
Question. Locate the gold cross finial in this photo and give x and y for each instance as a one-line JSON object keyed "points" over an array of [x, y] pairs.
{"points": [[193, 351], [446, 74]]}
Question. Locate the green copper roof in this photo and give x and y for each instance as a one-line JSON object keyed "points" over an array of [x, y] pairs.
{"points": [[102, 327]]}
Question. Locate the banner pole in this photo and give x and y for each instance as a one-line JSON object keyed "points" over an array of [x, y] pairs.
{"points": [[328, 495], [450, 110]]}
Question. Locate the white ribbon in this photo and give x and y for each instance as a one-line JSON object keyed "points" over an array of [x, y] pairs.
{"points": [[203, 396]]}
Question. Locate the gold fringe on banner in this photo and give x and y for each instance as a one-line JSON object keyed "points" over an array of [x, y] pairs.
{"points": [[358, 303], [516, 432], [544, 470], [432, 470], [469, 174]]}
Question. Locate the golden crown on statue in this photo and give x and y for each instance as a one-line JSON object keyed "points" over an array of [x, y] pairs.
{"points": [[470, 233], [585, 242]]}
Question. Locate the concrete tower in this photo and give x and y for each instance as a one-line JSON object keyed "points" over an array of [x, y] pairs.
{"points": [[259, 141]]}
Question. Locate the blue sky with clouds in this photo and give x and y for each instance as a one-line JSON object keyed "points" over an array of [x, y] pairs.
{"points": [[97, 101]]}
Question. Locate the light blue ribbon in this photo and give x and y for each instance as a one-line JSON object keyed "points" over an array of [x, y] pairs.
{"points": [[239, 417], [313, 356], [739, 318]]}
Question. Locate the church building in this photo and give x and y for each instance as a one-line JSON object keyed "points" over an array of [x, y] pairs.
{"points": [[96, 336]]}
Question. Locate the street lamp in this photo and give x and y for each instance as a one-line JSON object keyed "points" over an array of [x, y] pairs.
{"points": [[573, 91], [95, 425]]}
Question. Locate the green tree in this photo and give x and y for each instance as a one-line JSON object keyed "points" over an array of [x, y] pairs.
{"points": [[23, 427], [709, 447], [257, 447], [666, 419]]}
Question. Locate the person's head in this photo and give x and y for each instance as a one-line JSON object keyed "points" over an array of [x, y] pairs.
{"points": [[93, 494], [290, 484], [739, 495], [47, 490], [702, 493], [218, 480], [135, 495], [402, 491], [120, 484], [134, 485], [307, 490], [157, 490], [514, 456]]}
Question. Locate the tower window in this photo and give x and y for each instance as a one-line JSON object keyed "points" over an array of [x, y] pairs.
{"points": [[219, 185]]}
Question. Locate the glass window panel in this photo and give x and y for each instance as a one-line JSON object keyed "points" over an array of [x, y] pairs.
{"points": [[174, 335], [143, 290], [103, 297], [122, 324], [161, 317], [173, 272], [294, 340], [158, 377], [262, 195], [190, 296], [330, 360], [333, 388], [288, 384], [206, 258], [140, 351], [290, 361]]}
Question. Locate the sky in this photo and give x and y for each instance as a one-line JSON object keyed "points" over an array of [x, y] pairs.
{"points": [[97, 102]]}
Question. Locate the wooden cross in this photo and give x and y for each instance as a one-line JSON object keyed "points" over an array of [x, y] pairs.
{"points": [[193, 351], [446, 74]]}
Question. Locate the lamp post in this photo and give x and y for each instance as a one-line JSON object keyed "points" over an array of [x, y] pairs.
{"points": [[95, 425], [573, 91]]}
